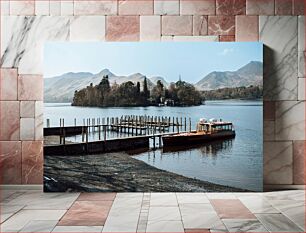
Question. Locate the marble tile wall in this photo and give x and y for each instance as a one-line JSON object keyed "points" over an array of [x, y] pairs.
{"points": [[27, 25]]}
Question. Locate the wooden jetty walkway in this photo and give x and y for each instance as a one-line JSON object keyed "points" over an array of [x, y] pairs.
{"points": [[137, 130]]}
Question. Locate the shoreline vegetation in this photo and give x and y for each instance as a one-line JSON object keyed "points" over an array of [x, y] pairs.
{"points": [[117, 172], [128, 94]]}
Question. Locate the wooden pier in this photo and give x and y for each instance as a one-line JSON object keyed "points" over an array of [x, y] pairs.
{"points": [[124, 128]]}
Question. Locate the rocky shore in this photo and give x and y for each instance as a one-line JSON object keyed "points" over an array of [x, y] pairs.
{"points": [[117, 172]]}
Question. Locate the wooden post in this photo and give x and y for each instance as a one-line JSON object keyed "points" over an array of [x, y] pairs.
{"points": [[104, 129], [185, 128], [48, 123], [83, 129], [60, 131], [173, 124], [136, 125], [189, 124], [99, 129], [107, 122], [74, 121], [181, 123], [64, 137], [177, 125]]}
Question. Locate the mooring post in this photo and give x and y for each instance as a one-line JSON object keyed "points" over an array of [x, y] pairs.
{"points": [[189, 124], [181, 125], [99, 128], [83, 128], [136, 125], [173, 124], [104, 129], [107, 122], [154, 136], [48, 123], [177, 125], [60, 131], [74, 121], [64, 133], [185, 128]]}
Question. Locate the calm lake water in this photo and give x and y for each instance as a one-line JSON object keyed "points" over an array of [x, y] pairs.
{"points": [[237, 162]]}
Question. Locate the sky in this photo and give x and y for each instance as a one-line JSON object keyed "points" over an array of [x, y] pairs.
{"points": [[190, 60]]}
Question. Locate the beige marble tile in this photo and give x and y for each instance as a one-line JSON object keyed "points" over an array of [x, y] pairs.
{"points": [[27, 109], [150, 28], [42, 201], [166, 7], [74, 229], [196, 38], [258, 205], [165, 226], [55, 8], [277, 223], [124, 214], [87, 28], [27, 128], [192, 198], [278, 163], [66, 7], [269, 131], [164, 213], [39, 226], [107, 7], [294, 210], [301, 88], [240, 225], [23, 217], [200, 25], [8, 210], [280, 37], [205, 217], [163, 199], [5, 7], [177, 25], [42, 7], [22, 7], [290, 120], [301, 47]]}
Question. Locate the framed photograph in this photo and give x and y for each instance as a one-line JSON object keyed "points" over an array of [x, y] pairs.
{"points": [[153, 117]]}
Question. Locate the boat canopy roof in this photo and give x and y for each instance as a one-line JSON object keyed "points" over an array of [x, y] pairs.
{"points": [[219, 123]]}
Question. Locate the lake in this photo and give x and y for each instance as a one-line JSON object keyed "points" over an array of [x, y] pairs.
{"points": [[237, 162]]}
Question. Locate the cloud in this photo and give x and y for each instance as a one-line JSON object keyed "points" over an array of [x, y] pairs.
{"points": [[226, 52]]}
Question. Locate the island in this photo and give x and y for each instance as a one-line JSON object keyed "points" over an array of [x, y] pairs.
{"points": [[128, 94]]}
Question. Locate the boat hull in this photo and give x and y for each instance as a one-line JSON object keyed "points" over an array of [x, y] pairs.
{"points": [[193, 139]]}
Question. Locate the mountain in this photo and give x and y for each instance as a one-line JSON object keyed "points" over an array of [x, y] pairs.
{"points": [[156, 78], [61, 88], [250, 74]]}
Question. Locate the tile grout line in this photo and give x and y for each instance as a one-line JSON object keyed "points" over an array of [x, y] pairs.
{"points": [[143, 216]]}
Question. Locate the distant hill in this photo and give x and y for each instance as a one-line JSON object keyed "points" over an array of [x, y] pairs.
{"points": [[250, 74], [61, 88]]}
